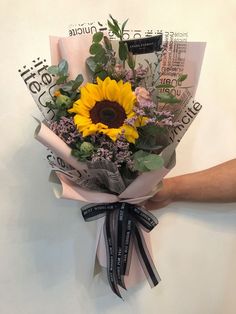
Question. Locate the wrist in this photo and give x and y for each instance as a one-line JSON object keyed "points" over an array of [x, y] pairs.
{"points": [[173, 187]]}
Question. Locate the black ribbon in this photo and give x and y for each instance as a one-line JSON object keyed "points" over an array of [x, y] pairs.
{"points": [[122, 229]]}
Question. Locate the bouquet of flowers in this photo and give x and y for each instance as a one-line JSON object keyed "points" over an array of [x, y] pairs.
{"points": [[112, 122]]}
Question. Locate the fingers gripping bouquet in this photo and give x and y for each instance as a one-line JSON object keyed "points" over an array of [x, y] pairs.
{"points": [[114, 131]]}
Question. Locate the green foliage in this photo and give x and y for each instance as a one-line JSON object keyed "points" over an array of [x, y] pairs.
{"points": [[60, 71], [168, 98], [119, 33], [102, 74], [83, 151], [60, 107], [123, 26], [63, 68], [164, 86], [182, 77], [68, 89], [53, 70], [131, 61], [73, 85], [123, 51], [97, 37], [62, 79], [144, 161], [107, 43], [95, 48], [151, 138], [91, 64], [115, 28], [102, 56]]}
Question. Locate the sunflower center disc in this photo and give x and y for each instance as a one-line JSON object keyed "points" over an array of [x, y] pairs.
{"points": [[109, 113]]}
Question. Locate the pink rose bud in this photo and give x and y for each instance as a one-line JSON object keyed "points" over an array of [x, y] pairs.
{"points": [[142, 94]]}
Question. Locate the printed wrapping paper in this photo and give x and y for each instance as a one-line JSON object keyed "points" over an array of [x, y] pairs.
{"points": [[71, 178], [141, 189]]}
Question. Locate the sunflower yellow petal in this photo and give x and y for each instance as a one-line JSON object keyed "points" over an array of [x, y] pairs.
{"points": [[128, 103], [99, 81], [101, 126], [127, 98], [94, 128], [112, 91], [141, 121], [120, 83], [131, 134], [82, 122], [104, 85], [86, 98], [112, 133], [83, 110], [95, 91], [130, 115]]}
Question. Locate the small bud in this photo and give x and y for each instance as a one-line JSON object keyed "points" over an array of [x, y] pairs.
{"points": [[63, 100], [86, 148], [57, 93]]}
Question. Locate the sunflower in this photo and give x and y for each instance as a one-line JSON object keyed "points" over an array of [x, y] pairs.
{"points": [[104, 107]]}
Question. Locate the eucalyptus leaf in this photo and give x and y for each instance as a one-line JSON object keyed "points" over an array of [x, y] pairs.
{"points": [[168, 98], [140, 166], [140, 154], [150, 129], [62, 79], [68, 87], [99, 67], [76, 85], [95, 48], [144, 161], [101, 57], [150, 143], [53, 70], [79, 78], [97, 37], [138, 161], [147, 146], [91, 64], [153, 162], [102, 74], [63, 67], [165, 86], [182, 77]]}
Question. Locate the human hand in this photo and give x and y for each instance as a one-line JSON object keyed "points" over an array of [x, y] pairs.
{"points": [[163, 197]]}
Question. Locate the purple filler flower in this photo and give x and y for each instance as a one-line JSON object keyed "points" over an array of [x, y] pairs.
{"points": [[66, 130]]}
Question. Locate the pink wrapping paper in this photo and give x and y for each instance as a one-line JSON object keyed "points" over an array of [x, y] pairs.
{"points": [[75, 50], [136, 274], [141, 189], [49, 139]]}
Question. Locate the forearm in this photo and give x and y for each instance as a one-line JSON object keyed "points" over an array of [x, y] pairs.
{"points": [[216, 184]]}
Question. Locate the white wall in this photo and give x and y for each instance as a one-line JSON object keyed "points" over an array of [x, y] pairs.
{"points": [[45, 247]]}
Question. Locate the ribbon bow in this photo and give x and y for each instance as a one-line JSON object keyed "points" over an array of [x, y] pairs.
{"points": [[121, 229]]}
